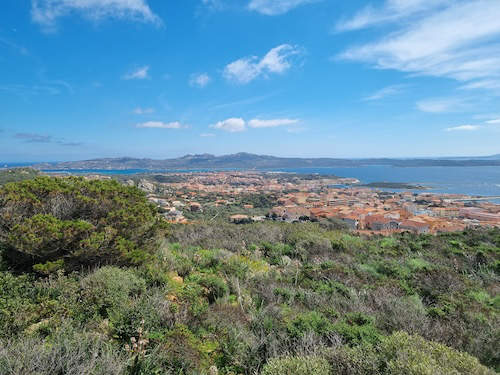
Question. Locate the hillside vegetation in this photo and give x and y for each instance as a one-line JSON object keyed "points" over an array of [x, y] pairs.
{"points": [[93, 282]]}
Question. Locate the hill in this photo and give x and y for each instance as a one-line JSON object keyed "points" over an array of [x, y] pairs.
{"points": [[106, 289], [245, 160]]}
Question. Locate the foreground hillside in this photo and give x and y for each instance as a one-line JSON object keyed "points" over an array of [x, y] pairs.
{"points": [[93, 282]]}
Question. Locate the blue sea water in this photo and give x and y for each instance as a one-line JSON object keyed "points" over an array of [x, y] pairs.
{"points": [[483, 181]]}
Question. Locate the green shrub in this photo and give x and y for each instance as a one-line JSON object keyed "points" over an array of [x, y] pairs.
{"points": [[110, 288], [83, 222], [357, 328], [66, 353], [296, 366], [215, 286], [312, 321], [17, 303], [404, 354]]}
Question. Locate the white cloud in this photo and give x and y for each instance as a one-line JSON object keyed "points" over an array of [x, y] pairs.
{"points": [[275, 7], [256, 123], [391, 11], [214, 5], [207, 135], [46, 12], [238, 124], [490, 84], [143, 111], [277, 60], [496, 121], [454, 39], [200, 80], [231, 125], [139, 73], [161, 125], [385, 92], [463, 128], [442, 105]]}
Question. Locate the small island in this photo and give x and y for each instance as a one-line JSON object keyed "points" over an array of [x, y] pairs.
{"points": [[396, 185]]}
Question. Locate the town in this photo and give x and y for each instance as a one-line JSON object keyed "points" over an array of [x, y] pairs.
{"points": [[243, 197]]}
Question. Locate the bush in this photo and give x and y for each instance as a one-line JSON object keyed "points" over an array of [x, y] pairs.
{"points": [[357, 328], [309, 322], [296, 366], [109, 288], [412, 355], [79, 221], [66, 353], [403, 354]]}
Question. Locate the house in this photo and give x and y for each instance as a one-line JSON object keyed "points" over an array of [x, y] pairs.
{"points": [[379, 222], [239, 219], [351, 221], [414, 226]]}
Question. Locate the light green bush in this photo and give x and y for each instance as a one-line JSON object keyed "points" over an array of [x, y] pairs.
{"points": [[404, 354], [296, 366], [412, 355], [109, 288]]}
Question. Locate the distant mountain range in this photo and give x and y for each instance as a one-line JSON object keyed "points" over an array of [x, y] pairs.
{"points": [[251, 161]]}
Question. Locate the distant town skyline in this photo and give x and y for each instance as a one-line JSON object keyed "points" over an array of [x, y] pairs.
{"points": [[83, 79]]}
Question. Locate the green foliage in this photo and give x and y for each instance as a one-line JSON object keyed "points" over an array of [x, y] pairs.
{"points": [[259, 298], [67, 352], [17, 174], [214, 286], [357, 328], [75, 220], [297, 366], [403, 354], [412, 355], [309, 322], [109, 288]]}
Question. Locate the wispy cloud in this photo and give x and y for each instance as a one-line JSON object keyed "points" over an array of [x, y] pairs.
{"points": [[251, 100], [463, 128], [386, 92], [276, 61], [391, 11], [33, 90], [207, 135], [139, 73], [232, 125], [143, 111], [161, 125], [276, 7], [42, 138], [442, 105], [199, 80], [463, 33], [214, 5], [16, 47], [257, 123], [494, 122], [33, 138], [47, 12]]}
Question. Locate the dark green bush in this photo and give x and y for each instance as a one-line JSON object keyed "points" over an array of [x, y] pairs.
{"points": [[75, 220], [312, 321]]}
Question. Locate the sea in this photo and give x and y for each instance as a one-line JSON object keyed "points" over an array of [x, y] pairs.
{"points": [[476, 181]]}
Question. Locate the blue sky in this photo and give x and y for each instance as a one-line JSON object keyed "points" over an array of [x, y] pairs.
{"points": [[162, 78]]}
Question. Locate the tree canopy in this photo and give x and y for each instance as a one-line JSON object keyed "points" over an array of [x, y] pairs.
{"points": [[70, 222]]}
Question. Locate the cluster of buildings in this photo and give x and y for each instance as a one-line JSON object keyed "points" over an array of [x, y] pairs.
{"points": [[371, 210], [301, 198]]}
